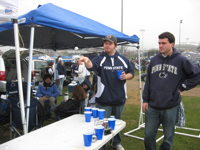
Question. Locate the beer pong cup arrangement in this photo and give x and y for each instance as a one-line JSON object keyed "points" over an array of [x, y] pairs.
{"points": [[99, 132], [111, 123], [87, 137], [119, 73], [95, 112], [101, 114], [88, 115], [88, 108]]}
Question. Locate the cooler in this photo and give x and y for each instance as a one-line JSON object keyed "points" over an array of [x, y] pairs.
{"points": [[70, 87]]}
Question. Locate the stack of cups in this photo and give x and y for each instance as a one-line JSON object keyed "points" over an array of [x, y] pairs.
{"points": [[95, 112], [88, 114], [111, 123], [88, 108], [101, 113]]}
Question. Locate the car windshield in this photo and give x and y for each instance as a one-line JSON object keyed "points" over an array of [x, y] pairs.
{"points": [[40, 64]]}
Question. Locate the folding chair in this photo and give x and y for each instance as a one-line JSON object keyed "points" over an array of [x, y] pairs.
{"points": [[15, 116], [4, 116]]}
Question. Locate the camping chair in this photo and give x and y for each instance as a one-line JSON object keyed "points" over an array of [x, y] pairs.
{"points": [[15, 116], [4, 116], [4, 126]]}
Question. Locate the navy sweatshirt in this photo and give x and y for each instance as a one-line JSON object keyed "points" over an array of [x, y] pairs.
{"points": [[61, 69], [165, 75], [111, 90]]}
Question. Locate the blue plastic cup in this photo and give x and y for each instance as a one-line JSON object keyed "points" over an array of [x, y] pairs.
{"points": [[111, 123], [119, 73], [101, 113], [112, 116], [95, 112], [88, 108], [88, 115], [87, 137], [99, 132]]}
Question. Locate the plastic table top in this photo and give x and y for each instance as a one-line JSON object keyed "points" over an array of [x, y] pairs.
{"points": [[61, 135]]}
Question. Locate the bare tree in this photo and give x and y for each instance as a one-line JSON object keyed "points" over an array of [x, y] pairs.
{"points": [[126, 51]]}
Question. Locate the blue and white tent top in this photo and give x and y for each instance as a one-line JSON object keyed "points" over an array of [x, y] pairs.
{"points": [[58, 28]]}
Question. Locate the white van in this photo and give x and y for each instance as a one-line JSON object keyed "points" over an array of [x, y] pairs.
{"points": [[8, 70]]}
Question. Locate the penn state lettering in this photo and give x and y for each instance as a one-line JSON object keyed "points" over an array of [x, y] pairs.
{"points": [[113, 67], [164, 67]]}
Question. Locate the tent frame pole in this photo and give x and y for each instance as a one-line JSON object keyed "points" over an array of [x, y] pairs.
{"points": [[29, 74], [21, 97]]}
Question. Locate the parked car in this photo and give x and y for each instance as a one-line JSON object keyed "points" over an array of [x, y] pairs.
{"points": [[143, 76], [8, 70]]}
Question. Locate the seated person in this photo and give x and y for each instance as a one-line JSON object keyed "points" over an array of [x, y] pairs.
{"points": [[47, 91], [87, 87], [78, 95]]}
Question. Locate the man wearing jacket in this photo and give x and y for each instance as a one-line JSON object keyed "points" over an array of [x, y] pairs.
{"points": [[111, 94], [47, 91], [168, 74]]}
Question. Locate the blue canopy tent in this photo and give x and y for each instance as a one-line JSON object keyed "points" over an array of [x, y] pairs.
{"points": [[57, 28], [52, 27]]}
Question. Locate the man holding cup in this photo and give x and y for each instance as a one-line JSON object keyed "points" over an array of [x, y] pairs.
{"points": [[111, 94]]}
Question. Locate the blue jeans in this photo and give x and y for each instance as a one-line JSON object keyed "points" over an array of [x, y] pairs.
{"points": [[117, 112], [153, 119], [61, 90]]}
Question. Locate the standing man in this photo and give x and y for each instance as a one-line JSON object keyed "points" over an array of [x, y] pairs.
{"points": [[111, 94], [81, 72], [74, 67], [61, 74], [168, 74]]}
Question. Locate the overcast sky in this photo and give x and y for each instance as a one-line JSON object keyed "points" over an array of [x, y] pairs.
{"points": [[154, 16]]}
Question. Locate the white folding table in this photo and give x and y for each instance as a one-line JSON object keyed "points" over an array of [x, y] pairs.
{"points": [[61, 135]]}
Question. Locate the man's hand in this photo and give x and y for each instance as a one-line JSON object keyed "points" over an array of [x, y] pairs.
{"points": [[45, 98], [126, 76], [84, 59], [145, 106], [87, 62]]}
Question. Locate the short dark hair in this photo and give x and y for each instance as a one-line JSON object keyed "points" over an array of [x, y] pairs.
{"points": [[167, 35], [47, 75]]}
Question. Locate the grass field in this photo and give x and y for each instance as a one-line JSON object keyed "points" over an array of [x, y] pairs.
{"points": [[131, 117]]}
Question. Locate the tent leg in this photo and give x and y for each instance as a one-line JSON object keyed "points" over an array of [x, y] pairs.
{"points": [[21, 98], [29, 75]]}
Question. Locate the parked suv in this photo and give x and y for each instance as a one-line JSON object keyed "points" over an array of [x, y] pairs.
{"points": [[8, 70]]}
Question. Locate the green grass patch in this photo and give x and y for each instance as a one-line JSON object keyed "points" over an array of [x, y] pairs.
{"points": [[198, 86], [192, 110]]}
